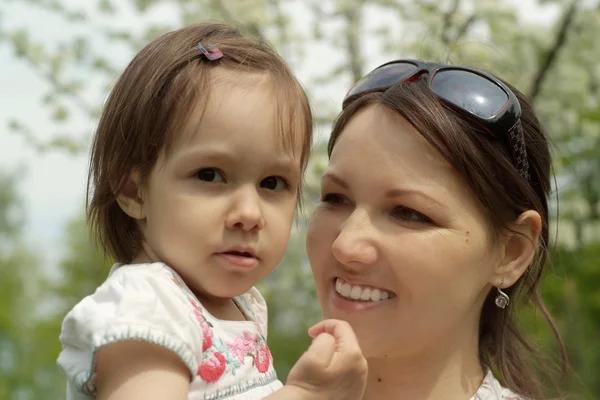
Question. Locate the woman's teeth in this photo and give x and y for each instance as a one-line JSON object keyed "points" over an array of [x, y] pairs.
{"points": [[357, 292]]}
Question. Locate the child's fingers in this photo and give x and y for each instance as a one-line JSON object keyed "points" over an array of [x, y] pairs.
{"points": [[322, 348], [340, 330], [327, 326]]}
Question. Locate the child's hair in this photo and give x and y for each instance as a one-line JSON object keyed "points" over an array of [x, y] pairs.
{"points": [[152, 100], [485, 165]]}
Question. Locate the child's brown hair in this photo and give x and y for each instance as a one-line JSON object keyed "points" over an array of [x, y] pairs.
{"points": [[155, 95]]}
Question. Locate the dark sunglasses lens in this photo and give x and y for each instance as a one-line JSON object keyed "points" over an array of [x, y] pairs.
{"points": [[470, 91], [383, 78]]}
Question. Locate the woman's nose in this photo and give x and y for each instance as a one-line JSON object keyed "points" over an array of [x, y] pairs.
{"points": [[355, 242]]}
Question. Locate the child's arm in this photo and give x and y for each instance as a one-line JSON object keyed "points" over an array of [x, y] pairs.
{"points": [[332, 368], [133, 370]]}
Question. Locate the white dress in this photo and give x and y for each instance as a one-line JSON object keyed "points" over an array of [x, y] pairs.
{"points": [[491, 389], [150, 302]]}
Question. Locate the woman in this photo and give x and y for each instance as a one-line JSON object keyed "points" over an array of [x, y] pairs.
{"points": [[433, 225]]}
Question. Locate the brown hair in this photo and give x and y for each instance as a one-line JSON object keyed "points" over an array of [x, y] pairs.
{"points": [[485, 164], [151, 101]]}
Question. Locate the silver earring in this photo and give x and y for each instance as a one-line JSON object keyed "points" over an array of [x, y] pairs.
{"points": [[502, 298]]}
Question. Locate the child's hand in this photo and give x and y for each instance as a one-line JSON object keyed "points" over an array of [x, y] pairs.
{"points": [[333, 367]]}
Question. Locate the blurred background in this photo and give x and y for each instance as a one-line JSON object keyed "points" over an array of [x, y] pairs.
{"points": [[59, 58]]}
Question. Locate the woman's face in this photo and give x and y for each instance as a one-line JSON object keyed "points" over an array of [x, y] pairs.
{"points": [[399, 246]]}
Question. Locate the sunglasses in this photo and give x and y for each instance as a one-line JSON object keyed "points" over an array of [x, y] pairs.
{"points": [[478, 96]]}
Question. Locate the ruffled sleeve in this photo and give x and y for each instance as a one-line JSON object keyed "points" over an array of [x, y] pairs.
{"points": [[143, 302]]}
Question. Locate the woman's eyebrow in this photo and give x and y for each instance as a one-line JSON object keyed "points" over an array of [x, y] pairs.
{"points": [[410, 192], [336, 179], [396, 192]]}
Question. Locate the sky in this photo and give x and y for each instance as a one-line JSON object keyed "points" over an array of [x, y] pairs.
{"points": [[52, 185]]}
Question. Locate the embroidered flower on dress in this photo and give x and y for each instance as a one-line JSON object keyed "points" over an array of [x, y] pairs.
{"points": [[243, 345], [212, 369], [207, 333], [250, 340], [262, 359], [219, 357]]}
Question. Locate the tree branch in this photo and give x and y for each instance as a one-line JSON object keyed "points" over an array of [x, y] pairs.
{"points": [[447, 21], [352, 17], [465, 27], [552, 54], [59, 87]]}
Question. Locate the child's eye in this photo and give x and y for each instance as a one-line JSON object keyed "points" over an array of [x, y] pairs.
{"points": [[213, 175], [274, 183], [334, 199], [410, 215]]}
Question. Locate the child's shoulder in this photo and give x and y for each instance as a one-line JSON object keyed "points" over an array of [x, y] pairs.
{"points": [[149, 296], [134, 293], [157, 270], [142, 302], [153, 278]]}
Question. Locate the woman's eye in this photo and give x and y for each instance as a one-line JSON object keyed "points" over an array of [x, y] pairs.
{"points": [[410, 215], [333, 198], [274, 183], [213, 175]]}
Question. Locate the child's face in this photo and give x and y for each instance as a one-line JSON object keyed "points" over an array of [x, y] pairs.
{"points": [[219, 208]]}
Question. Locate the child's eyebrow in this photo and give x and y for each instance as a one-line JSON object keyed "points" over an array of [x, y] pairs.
{"points": [[282, 163], [287, 165], [205, 153]]}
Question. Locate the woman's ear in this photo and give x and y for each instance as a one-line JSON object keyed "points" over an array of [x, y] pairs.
{"points": [[518, 248], [130, 198]]}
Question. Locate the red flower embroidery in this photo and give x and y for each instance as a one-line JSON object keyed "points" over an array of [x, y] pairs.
{"points": [[212, 369], [206, 342], [206, 331], [262, 359]]}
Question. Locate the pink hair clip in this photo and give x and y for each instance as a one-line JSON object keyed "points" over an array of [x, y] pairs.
{"points": [[210, 52]]}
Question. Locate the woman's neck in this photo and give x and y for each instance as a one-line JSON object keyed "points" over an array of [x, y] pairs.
{"points": [[448, 371]]}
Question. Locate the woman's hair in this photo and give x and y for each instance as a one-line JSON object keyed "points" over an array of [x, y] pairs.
{"points": [[485, 165], [151, 102]]}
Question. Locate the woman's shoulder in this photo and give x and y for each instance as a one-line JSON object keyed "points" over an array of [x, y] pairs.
{"points": [[491, 389]]}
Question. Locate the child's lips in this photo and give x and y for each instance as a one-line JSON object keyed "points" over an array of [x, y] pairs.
{"points": [[239, 257], [244, 251]]}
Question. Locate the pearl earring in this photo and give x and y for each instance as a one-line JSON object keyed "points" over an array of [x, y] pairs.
{"points": [[502, 298]]}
